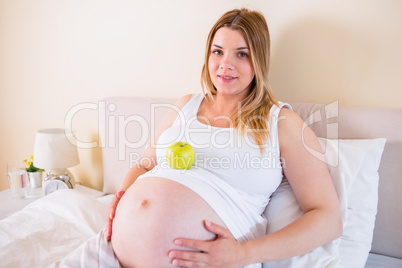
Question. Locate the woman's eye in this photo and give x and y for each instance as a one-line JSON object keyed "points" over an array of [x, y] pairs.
{"points": [[217, 52], [243, 55]]}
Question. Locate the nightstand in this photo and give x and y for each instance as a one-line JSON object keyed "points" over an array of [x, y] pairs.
{"points": [[10, 206]]}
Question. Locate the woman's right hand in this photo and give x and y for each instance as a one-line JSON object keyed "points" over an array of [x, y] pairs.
{"points": [[111, 213]]}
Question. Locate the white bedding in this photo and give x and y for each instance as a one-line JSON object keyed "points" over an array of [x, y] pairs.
{"points": [[50, 228]]}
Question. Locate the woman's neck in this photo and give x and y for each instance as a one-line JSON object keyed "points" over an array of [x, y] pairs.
{"points": [[226, 104]]}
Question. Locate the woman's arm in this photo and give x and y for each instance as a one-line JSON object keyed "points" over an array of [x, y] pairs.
{"points": [[313, 188], [146, 162], [312, 185]]}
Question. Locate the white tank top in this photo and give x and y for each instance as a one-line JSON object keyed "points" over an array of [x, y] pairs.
{"points": [[229, 172], [225, 156]]}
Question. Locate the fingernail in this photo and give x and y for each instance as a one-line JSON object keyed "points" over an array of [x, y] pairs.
{"points": [[175, 262], [172, 254], [178, 242], [120, 194], [208, 223]]}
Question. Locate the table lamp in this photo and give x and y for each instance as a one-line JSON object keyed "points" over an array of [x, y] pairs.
{"points": [[55, 150]]}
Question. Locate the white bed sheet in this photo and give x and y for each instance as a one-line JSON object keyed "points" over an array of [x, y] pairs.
{"points": [[50, 228]]}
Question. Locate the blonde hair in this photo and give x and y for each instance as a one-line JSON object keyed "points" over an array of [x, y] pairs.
{"points": [[253, 112]]}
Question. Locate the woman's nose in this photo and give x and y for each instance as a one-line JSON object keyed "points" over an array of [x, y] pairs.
{"points": [[227, 63]]}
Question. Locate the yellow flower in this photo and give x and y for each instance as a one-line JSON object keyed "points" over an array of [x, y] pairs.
{"points": [[29, 165], [27, 162]]}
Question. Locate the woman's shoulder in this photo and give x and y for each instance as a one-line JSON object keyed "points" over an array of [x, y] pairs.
{"points": [[290, 124], [289, 117], [286, 111], [180, 105], [171, 114], [293, 131], [195, 98], [183, 100]]}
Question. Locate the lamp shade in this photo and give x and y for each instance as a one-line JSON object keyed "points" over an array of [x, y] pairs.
{"points": [[55, 149]]}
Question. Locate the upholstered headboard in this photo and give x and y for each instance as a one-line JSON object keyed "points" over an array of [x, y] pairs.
{"points": [[130, 120]]}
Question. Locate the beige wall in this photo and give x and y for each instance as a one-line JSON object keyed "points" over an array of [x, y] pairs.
{"points": [[55, 55]]}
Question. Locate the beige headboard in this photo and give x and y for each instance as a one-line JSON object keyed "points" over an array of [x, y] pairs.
{"points": [[128, 118]]}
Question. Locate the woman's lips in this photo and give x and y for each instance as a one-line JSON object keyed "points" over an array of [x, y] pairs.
{"points": [[227, 78]]}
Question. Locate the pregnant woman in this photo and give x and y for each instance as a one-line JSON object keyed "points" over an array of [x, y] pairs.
{"points": [[244, 141]]}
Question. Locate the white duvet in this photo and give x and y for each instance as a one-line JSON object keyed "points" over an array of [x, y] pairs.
{"points": [[49, 229]]}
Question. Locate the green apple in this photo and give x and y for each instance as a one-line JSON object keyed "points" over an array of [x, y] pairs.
{"points": [[180, 155]]}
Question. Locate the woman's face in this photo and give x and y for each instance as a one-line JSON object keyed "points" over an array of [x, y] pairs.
{"points": [[230, 65]]}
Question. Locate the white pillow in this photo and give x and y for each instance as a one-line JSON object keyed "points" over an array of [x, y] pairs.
{"points": [[362, 200], [353, 166]]}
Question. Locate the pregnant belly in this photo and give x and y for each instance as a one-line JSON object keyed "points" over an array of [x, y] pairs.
{"points": [[151, 214]]}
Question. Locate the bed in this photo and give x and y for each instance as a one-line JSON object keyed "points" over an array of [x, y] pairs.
{"points": [[363, 147]]}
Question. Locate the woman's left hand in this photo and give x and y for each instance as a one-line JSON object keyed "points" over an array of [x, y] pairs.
{"points": [[223, 251]]}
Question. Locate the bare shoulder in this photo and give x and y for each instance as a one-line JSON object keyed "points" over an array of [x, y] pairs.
{"points": [[290, 115], [289, 124], [172, 114], [183, 100], [293, 132]]}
